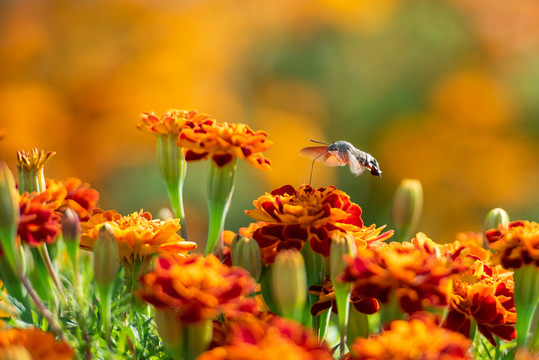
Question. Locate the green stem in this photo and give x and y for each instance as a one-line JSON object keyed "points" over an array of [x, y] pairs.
{"points": [[50, 269], [526, 296], [358, 325], [342, 297], [173, 168], [175, 194], [220, 188], [105, 304], [314, 264], [55, 327]]}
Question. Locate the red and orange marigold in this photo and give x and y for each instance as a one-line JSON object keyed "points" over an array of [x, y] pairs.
{"points": [[481, 292], [418, 338], [516, 245], [265, 339], [138, 235], [291, 217], [172, 121], [413, 272], [33, 344], [224, 142], [195, 288], [38, 223], [74, 194]]}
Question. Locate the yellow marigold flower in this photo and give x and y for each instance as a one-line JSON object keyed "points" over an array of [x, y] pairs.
{"points": [[224, 142], [414, 339], [36, 344], [171, 122], [414, 272], [196, 288], [266, 339], [138, 235], [516, 245], [291, 217]]}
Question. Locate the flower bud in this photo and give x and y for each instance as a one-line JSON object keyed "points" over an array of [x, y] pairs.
{"points": [[71, 232], [496, 217], [183, 340], [9, 218], [289, 283], [407, 207], [245, 253], [106, 261], [341, 244]]}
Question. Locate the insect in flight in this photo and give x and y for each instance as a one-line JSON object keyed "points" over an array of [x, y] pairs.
{"points": [[342, 153]]}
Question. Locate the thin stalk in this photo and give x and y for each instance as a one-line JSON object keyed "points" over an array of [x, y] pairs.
{"points": [[50, 269], [55, 327]]}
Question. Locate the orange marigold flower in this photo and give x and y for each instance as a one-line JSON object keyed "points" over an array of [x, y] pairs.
{"points": [[138, 235], [414, 339], [293, 216], [197, 288], [412, 272], [172, 121], [482, 292], [327, 299], [274, 338], [516, 245], [38, 223], [74, 194], [35, 343], [224, 142]]}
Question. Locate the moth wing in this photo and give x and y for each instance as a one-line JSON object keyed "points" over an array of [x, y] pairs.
{"points": [[353, 162], [321, 154]]}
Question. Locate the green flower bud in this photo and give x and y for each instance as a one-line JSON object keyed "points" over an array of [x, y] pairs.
{"points": [[183, 340], [245, 253], [341, 244], [71, 232], [289, 283], [407, 207], [495, 217], [9, 219], [106, 262]]}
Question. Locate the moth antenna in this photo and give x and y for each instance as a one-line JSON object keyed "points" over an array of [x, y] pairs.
{"points": [[318, 142], [312, 165]]}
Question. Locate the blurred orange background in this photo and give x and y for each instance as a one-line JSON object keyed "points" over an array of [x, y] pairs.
{"points": [[446, 92]]}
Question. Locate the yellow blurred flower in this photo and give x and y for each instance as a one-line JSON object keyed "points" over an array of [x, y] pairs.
{"points": [[33, 344], [138, 235]]}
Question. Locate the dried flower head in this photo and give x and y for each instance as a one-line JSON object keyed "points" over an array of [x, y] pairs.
{"points": [[33, 159], [196, 288], [138, 235], [291, 217], [516, 245], [33, 343], [223, 142], [415, 339], [171, 122]]}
